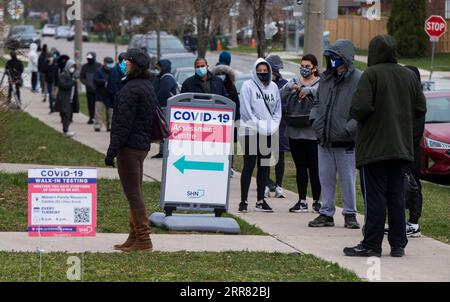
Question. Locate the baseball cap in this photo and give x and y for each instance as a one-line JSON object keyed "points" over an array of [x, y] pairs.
{"points": [[138, 56], [90, 55]]}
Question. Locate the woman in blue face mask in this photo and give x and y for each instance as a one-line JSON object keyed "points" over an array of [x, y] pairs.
{"points": [[298, 95]]}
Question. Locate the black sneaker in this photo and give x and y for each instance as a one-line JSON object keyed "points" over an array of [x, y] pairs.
{"points": [[97, 130], [157, 156], [262, 206], [397, 252], [360, 251], [317, 205], [351, 222], [243, 207], [300, 207], [322, 221], [90, 122]]}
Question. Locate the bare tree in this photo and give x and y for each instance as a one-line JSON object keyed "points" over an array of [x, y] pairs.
{"points": [[259, 18]]}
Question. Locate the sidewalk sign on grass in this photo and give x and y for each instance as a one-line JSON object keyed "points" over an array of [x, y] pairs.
{"points": [[62, 202]]}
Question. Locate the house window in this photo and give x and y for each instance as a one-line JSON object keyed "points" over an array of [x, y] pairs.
{"points": [[447, 9]]}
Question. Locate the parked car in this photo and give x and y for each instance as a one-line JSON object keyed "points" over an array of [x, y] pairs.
{"points": [[436, 141], [22, 36], [49, 30], [182, 74], [240, 79], [180, 60], [62, 32], [71, 35]]}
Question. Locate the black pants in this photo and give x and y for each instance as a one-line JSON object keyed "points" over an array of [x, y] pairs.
{"points": [[66, 119], [10, 91], [91, 104], [305, 155], [51, 97], [279, 172], [382, 186], [415, 211], [256, 150], [34, 81]]}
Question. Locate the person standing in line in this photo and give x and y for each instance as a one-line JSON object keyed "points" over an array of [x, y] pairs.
{"points": [[103, 99], [165, 87], [203, 81], [387, 101], [336, 132], [299, 99], [260, 120], [67, 101], [88, 71], [42, 61], [116, 76], [51, 79], [14, 69], [130, 143], [277, 64], [33, 60]]}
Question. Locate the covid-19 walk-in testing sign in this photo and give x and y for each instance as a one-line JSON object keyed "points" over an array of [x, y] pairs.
{"points": [[196, 169], [62, 202]]}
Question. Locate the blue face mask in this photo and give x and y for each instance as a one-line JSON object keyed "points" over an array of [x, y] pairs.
{"points": [[110, 65], [201, 72], [305, 72], [222, 77], [123, 67], [336, 62]]}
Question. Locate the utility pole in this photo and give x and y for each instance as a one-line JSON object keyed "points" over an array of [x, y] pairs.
{"points": [[79, 36], [314, 12], [2, 30]]}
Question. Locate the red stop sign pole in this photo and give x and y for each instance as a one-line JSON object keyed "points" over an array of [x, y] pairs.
{"points": [[435, 27]]}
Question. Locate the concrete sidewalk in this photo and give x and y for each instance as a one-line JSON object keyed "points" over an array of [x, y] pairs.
{"points": [[104, 173], [426, 259], [103, 243]]}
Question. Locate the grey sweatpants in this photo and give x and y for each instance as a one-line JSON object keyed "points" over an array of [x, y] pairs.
{"points": [[334, 162]]}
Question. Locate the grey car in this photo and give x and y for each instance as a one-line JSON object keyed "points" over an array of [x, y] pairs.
{"points": [[22, 36]]}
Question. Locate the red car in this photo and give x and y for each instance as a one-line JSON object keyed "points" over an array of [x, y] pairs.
{"points": [[436, 141]]}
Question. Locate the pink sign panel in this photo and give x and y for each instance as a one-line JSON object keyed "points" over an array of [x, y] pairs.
{"points": [[62, 202]]}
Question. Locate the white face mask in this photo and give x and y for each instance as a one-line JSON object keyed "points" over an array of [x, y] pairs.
{"points": [[72, 69]]}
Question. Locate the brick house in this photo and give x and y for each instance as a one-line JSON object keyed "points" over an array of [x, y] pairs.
{"points": [[439, 7]]}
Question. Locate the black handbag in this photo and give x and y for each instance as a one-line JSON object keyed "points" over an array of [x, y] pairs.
{"points": [[160, 127], [298, 111]]}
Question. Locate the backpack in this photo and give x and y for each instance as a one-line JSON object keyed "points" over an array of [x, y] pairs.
{"points": [[298, 111]]}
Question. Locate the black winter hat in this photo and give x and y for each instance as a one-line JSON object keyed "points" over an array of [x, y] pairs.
{"points": [[138, 56]]}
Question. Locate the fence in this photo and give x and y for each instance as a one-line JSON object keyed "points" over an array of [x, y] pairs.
{"points": [[361, 30]]}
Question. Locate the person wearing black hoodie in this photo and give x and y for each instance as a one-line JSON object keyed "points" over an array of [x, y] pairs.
{"points": [[14, 69], [51, 79], [42, 61], [88, 71], [165, 87], [387, 101]]}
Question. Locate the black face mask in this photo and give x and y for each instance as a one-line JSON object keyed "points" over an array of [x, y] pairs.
{"points": [[264, 77], [91, 61]]}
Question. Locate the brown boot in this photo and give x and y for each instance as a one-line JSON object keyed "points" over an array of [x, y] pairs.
{"points": [[131, 236], [142, 242]]}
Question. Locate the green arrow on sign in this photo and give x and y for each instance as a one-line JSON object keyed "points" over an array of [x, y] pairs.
{"points": [[182, 164]]}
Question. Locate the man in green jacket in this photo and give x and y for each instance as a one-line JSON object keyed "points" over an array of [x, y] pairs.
{"points": [[385, 104]]}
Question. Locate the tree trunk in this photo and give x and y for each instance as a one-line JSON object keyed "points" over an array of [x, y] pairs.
{"points": [[259, 17], [203, 36]]}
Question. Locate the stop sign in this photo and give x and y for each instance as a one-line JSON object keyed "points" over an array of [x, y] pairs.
{"points": [[435, 26]]}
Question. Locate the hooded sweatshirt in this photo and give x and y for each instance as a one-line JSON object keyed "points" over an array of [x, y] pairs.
{"points": [[331, 113], [33, 58], [385, 104], [67, 99], [88, 72], [260, 105], [165, 84]]}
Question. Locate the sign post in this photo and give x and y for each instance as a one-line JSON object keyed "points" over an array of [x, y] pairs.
{"points": [[435, 27], [197, 157]]}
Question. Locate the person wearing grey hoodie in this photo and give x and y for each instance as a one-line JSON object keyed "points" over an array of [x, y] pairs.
{"points": [[336, 131], [260, 105], [67, 101]]}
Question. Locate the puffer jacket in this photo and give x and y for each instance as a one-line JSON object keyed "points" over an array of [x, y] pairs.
{"points": [[331, 118], [133, 116]]}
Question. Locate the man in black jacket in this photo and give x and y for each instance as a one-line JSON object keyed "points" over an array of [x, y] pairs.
{"points": [[87, 78], [204, 81], [14, 69]]}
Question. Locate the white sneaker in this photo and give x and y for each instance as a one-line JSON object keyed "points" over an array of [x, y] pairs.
{"points": [[412, 230], [279, 193], [231, 173], [69, 134], [267, 192]]}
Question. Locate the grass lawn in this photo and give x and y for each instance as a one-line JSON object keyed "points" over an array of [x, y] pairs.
{"points": [[436, 209], [112, 207], [27, 140], [175, 267]]}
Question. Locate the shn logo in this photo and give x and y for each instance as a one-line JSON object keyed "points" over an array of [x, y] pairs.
{"points": [[374, 271], [74, 11], [74, 270], [374, 12]]}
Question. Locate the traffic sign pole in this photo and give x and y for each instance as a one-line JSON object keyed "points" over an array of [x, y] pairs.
{"points": [[432, 58]]}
